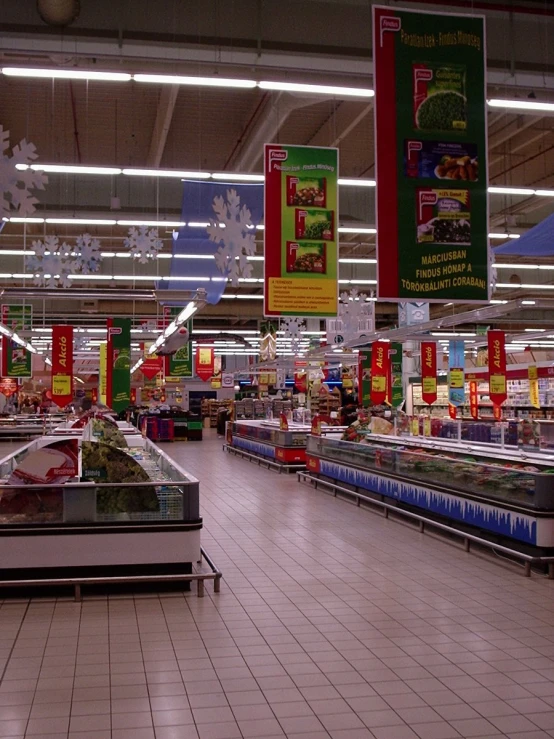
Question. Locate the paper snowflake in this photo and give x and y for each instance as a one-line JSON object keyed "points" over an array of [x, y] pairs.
{"points": [[143, 243], [87, 254], [354, 312], [16, 184], [234, 230], [292, 329], [51, 264]]}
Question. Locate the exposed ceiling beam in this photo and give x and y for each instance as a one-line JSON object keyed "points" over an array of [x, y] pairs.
{"points": [[164, 114], [344, 119]]}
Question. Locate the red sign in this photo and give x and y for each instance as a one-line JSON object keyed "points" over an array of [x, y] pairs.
{"points": [[497, 366], [316, 425], [428, 371], [452, 410], [151, 367], [283, 422], [133, 397], [8, 386], [94, 395], [380, 362], [204, 362], [301, 381], [497, 411], [62, 365], [473, 400]]}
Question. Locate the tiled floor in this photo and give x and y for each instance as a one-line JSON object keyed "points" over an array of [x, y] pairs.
{"points": [[331, 622]]}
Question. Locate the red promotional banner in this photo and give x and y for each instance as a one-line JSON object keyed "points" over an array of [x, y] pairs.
{"points": [[497, 411], [380, 362], [8, 386], [62, 365], [428, 371], [204, 364], [151, 367], [452, 410], [473, 400], [497, 366], [301, 381]]}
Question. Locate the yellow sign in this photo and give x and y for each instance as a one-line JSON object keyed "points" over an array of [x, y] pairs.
{"points": [[456, 378], [378, 384], [534, 386], [497, 384], [216, 382], [426, 426], [301, 296], [103, 376], [415, 426], [429, 385], [61, 385]]}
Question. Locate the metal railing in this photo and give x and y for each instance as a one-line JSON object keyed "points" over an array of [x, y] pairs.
{"points": [[77, 582], [281, 466], [528, 559]]}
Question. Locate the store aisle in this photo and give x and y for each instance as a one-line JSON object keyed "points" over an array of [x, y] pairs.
{"points": [[331, 622]]}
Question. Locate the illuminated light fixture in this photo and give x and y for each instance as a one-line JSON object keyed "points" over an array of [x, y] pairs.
{"points": [[243, 297], [193, 256], [357, 282], [254, 259], [26, 220], [89, 277], [528, 302], [453, 333], [498, 302], [528, 286], [357, 260], [545, 193], [123, 254], [362, 92], [166, 173], [238, 176], [175, 79], [167, 224], [531, 105], [197, 224], [83, 221], [356, 230], [48, 361], [504, 236], [533, 330], [67, 74], [511, 190], [137, 365], [353, 182], [16, 253], [504, 265], [184, 279], [69, 169]]}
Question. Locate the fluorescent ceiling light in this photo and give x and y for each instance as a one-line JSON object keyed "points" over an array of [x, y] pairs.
{"points": [[317, 89], [26, 220], [167, 224], [511, 191], [171, 79], [187, 312], [356, 230], [197, 224], [242, 297], [521, 104], [357, 282], [166, 173], [353, 182], [528, 302], [16, 253], [70, 169], [545, 193], [68, 74], [504, 236], [501, 265], [193, 256], [83, 221], [238, 176], [528, 286]]}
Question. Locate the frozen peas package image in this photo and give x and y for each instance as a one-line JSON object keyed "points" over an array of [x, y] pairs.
{"points": [[314, 224], [439, 96], [443, 216]]}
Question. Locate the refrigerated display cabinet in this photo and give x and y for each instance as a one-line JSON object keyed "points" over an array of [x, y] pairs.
{"points": [[266, 440]]}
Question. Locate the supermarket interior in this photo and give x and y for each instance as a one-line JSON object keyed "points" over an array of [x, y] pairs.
{"points": [[276, 370]]}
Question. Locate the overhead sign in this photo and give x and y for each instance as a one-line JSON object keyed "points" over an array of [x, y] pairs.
{"points": [[380, 363], [456, 376], [204, 362], [120, 364], [62, 365], [18, 317], [428, 371], [300, 235], [497, 366], [431, 156]]}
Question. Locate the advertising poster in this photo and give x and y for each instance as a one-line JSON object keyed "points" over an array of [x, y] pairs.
{"points": [[300, 236], [473, 400], [102, 375], [428, 371], [431, 156], [533, 375], [62, 365], [396, 392], [152, 364], [204, 362], [8, 387], [120, 333], [496, 341], [179, 364], [456, 376], [16, 360], [380, 362], [18, 317]]}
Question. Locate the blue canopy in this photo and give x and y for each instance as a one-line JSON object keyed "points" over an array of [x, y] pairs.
{"points": [[537, 242]]}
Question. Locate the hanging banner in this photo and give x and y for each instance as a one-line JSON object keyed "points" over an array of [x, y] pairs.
{"points": [[396, 390], [533, 375], [179, 364], [18, 317], [497, 412], [380, 362], [428, 371], [497, 366], [364, 377], [62, 365], [204, 362], [8, 387], [431, 156], [452, 411], [473, 400], [152, 365], [456, 378], [16, 360], [102, 374], [300, 236], [120, 366]]}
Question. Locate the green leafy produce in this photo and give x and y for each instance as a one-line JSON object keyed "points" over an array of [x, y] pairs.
{"points": [[104, 463], [108, 432], [316, 229], [441, 111]]}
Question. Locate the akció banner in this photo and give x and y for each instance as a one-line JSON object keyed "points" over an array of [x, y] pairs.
{"points": [[380, 362], [456, 373], [119, 364], [473, 400], [496, 341], [428, 372], [204, 365], [300, 235], [431, 156], [62, 365], [103, 373], [395, 389], [534, 398]]}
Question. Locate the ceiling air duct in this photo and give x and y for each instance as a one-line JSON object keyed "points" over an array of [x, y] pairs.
{"points": [[58, 12]]}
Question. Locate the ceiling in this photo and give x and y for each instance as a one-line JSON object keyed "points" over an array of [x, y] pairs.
{"points": [[194, 127]]}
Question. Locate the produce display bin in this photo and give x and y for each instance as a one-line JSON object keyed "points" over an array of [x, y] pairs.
{"points": [[504, 494]]}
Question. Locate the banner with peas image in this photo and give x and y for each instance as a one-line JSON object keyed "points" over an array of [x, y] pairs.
{"points": [[120, 337], [431, 156], [300, 236]]}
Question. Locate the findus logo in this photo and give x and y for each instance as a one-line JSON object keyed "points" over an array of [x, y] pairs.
{"points": [[388, 23]]}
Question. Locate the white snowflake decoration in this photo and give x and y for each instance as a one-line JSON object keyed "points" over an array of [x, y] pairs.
{"points": [[16, 184], [233, 228], [87, 250], [292, 329], [493, 275], [143, 243], [354, 312]]}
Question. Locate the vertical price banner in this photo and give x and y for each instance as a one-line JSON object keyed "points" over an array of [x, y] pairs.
{"points": [[119, 368], [300, 235], [364, 377], [456, 373], [431, 155], [428, 372], [496, 341], [533, 375], [396, 392], [380, 362], [16, 360], [62, 365], [103, 373], [204, 365], [473, 400]]}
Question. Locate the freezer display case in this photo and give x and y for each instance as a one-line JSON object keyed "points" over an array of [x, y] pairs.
{"points": [[505, 494], [26, 426], [266, 439], [72, 507]]}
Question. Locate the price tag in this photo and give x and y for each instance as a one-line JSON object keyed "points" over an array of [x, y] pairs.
{"points": [[379, 384], [429, 385], [415, 426], [456, 378], [61, 385], [497, 384], [426, 426]]}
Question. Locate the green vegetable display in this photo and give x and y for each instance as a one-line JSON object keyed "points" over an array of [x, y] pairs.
{"points": [[441, 111], [317, 229], [108, 433]]}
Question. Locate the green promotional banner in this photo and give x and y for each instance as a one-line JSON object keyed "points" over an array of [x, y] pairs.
{"points": [[18, 360], [18, 317], [300, 236], [397, 391], [180, 363], [121, 369], [431, 156], [364, 377]]}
